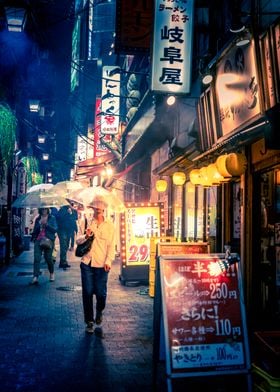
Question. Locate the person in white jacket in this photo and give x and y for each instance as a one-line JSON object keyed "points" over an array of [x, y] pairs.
{"points": [[96, 264]]}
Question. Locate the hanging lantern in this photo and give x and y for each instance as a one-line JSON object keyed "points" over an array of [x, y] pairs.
{"points": [[236, 164], [233, 164], [195, 177], [161, 185], [222, 167], [204, 178], [213, 174], [179, 178]]}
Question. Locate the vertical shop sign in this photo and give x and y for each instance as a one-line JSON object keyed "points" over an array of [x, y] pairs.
{"points": [[90, 143], [267, 71], [99, 148], [81, 149], [276, 56], [139, 224], [204, 317], [110, 100], [172, 46]]}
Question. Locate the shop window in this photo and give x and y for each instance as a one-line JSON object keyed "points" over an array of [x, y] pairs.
{"points": [[200, 222], [211, 224], [189, 229], [177, 211], [269, 267]]}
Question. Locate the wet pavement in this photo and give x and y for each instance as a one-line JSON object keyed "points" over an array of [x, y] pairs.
{"points": [[44, 346]]}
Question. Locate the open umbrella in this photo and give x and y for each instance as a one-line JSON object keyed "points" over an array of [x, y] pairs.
{"points": [[40, 187], [39, 199], [87, 196], [64, 188]]}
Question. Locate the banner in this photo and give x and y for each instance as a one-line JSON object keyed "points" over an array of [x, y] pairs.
{"points": [[110, 100]]}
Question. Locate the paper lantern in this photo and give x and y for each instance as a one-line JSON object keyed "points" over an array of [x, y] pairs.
{"points": [[233, 164], [222, 167], [179, 178], [204, 177], [161, 185], [195, 177], [214, 175], [236, 164]]}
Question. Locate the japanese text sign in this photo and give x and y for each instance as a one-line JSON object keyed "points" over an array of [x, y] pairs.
{"points": [[99, 148], [204, 322], [172, 46], [110, 100], [237, 89], [139, 225]]}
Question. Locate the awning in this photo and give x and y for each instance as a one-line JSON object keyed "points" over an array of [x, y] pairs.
{"points": [[101, 160], [94, 166], [183, 162]]}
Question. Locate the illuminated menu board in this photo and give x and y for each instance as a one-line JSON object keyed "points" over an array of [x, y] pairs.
{"points": [[204, 317], [139, 223]]}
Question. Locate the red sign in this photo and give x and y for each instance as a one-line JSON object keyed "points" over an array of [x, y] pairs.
{"points": [[203, 316]]}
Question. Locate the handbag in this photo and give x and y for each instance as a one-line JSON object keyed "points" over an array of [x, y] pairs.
{"points": [[46, 243], [84, 248]]}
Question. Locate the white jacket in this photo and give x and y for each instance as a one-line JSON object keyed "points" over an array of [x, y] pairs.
{"points": [[103, 247]]}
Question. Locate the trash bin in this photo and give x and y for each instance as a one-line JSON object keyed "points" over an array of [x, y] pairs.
{"points": [[26, 242]]}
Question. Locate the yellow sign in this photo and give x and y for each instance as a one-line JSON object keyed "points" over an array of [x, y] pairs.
{"points": [[139, 224]]}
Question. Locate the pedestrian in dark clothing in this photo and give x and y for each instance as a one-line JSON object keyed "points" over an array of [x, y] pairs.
{"points": [[74, 226], [45, 226], [64, 224]]}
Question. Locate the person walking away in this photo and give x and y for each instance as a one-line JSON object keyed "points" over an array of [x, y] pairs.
{"points": [[54, 212], [74, 226], [45, 226], [64, 224], [96, 264]]}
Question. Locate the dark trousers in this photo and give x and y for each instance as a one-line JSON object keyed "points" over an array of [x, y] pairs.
{"points": [[64, 238], [38, 251], [94, 282]]}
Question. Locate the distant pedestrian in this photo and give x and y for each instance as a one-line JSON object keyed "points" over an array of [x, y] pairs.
{"points": [[45, 227], [96, 264], [74, 226], [64, 225]]}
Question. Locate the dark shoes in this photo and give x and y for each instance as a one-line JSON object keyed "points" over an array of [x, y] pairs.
{"points": [[89, 327], [64, 266], [99, 318], [34, 281], [99, 332]]}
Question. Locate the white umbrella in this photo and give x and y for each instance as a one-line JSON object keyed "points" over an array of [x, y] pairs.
{"points": [[40, 187], [39, 199], [64, 188], [87, 195]]}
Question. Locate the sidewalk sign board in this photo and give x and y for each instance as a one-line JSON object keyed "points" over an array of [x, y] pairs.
{"points": [[205, 332], [139, 223]]}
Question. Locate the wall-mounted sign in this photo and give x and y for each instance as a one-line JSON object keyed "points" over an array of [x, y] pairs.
{"points": [[110, 100], [81, 148], [99, 148], [139, 223], [134, 21], [204, 317], [237, 88], [172, 46]]}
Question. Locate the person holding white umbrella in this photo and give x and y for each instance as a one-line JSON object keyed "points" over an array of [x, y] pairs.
{"points": [[96, 264], [43, 235]]}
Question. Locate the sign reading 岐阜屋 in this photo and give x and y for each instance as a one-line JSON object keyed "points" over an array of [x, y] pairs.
{"points": [[172, 46]]}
